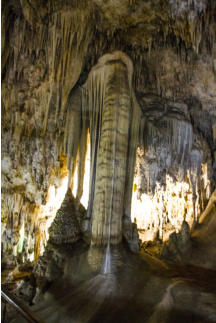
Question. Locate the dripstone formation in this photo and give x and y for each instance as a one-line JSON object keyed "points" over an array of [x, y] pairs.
{"points": [[109, 159], [132, 80]]}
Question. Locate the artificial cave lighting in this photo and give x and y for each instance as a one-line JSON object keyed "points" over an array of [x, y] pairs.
{"points": [[41, 220], [46, 213], [41, 216], [75, 181], [163, 211], [85, 195]]}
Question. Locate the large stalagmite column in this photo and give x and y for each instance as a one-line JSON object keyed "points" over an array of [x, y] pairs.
{"points": [[113, 130]]}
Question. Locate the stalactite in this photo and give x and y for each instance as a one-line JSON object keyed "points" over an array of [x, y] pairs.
{"points": [[75, 136], [62, 38], [73, 131], [83, 144], [134, 136]]}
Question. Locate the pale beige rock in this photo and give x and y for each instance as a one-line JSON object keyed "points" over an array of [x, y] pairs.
{"points": [[112, 111]]}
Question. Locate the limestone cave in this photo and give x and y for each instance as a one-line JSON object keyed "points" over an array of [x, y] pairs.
{"points": [[108, 141]]}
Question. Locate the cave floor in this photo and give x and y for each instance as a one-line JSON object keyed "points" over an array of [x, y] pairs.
{"points": [[140, 288]]}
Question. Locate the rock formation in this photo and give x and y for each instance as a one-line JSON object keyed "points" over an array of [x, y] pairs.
{"points": [[67, 225], [114, 126], [173, 170], [199, 246], [110, 104], [51, 86]]}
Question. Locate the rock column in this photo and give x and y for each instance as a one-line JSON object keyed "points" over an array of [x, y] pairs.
{"points": [[110, 128]]}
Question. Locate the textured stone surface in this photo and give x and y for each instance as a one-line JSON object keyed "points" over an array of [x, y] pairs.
{"points": [[178, 302], [113, 129], [50, 91], [130, 234], [66, 227], [174, 169], [197, 247], [48, 49], [178, 245]]}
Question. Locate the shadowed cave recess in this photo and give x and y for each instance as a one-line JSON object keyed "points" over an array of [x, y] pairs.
{"points": [[109, 160]]}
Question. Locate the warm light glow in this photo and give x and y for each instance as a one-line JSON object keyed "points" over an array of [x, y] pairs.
{"points": [[85, 196], [165, 210], [205, 179], [46, 213], [21, 240], [75, 181]]}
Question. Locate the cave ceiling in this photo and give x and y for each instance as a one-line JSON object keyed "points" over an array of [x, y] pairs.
{"points": [[137, 24]]}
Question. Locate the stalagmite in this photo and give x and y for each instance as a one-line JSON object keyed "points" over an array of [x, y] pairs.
{"points": [[114, 126]]}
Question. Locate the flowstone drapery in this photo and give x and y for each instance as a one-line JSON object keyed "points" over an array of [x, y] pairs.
{"points": [[107, 100]]}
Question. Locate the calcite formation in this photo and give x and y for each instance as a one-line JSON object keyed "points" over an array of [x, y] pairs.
{"points": [[67, 225], [198, 248], [52, 96], [106, 107], [173, 170], [114, 128]]}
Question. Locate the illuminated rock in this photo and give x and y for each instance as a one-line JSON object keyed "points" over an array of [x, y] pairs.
{"points": [[114, 125], [172, 181], [48, 50], [66, 227]]}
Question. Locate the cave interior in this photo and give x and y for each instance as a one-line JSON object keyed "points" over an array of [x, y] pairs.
{"points": [[108, 138]]}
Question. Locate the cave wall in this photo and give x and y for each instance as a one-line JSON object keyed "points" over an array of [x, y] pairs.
{"points": [[48, 50], [173, 173]]}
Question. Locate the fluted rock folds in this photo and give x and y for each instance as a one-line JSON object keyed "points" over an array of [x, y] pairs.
{"points": [[113, 130]]}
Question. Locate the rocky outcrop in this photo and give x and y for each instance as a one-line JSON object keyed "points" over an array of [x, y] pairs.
{"points": [[197, 247], [130, 234], [178, 245], [48, 268], [67, 229]]}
